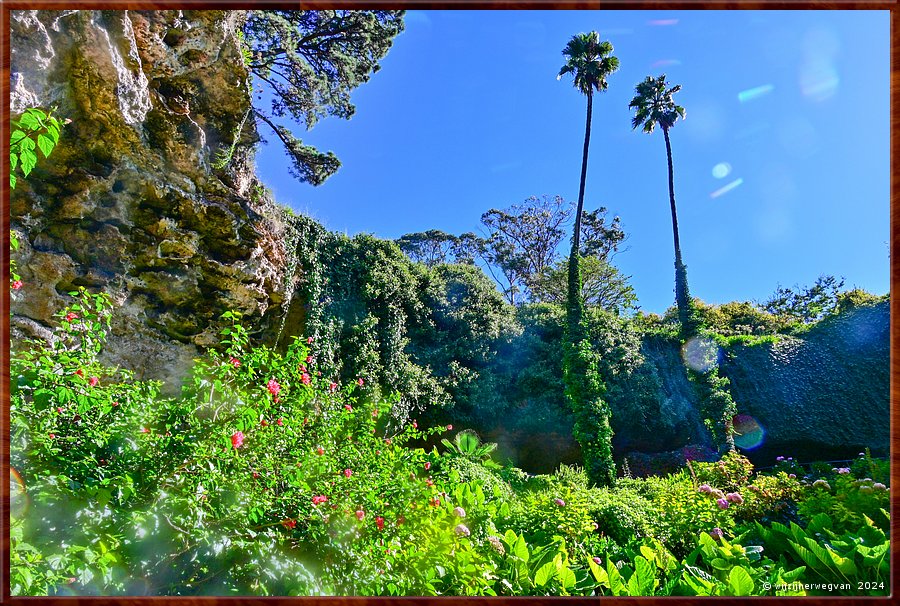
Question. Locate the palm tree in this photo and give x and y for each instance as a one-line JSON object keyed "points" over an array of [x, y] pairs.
{"points": [[590, 61], [653, 104]]}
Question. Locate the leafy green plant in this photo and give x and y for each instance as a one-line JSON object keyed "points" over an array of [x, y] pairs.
{"points": [[854, 562], [468, 445], [731, 472], [34, 130]]}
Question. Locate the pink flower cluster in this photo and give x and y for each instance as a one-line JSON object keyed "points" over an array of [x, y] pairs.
{"points": [[273, 387], [319, 499], [237, 439]]}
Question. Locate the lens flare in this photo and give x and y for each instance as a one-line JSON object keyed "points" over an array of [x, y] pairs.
{"points": [[748, 433], [819, 80], [755, 93], [721, 170], [700, 354], [727, 188], [663, 22], [665, 63], [18, 496]]}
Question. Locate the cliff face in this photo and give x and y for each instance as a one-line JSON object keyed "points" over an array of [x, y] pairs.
{"points": [[823, 396], [131, 201]]}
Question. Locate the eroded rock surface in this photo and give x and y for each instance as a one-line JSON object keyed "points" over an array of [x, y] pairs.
{"points": [[131, 201]]}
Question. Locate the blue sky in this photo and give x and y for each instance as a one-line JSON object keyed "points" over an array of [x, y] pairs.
{"points": [[781, 166]]}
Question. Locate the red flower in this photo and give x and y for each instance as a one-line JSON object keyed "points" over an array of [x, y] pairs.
{"points": [[310, 359], [93, 381], [348, 473], [379, 521], [360, 514], [309, 340], [115, 403], [273, 387], [360, 382], [52, 435], [79, 372], [17, 284], [59, 409], [264, 423], [289, 524], [237, 439], [255, 475], [348, 408], [305, 379], [145, 430], [319, 499], [71, 316], [427, 465], [387, 441], [320, 451], [235, 362], [449, 427], [429, 482], [279, 422], [333, 387], [415, 425]]}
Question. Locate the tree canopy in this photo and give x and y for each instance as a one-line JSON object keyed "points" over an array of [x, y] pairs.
{"points": [[311, 61]]}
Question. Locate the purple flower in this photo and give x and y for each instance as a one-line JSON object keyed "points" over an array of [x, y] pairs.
{"points": [[705, 488], [716, 533], [792, 476], [842, 470], [559, 502], [722, 503], [779, 459], [462, 530], [734, 497], [597, 560]]}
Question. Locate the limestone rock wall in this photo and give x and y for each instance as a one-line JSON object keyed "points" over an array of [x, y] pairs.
{"points": [[131, 201]]}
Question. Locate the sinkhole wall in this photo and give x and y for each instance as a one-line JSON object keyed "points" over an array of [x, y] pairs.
{"points": [[131, 202]]}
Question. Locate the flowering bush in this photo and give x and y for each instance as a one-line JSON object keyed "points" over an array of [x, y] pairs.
{"points": [[267, 476], [729, 473]]}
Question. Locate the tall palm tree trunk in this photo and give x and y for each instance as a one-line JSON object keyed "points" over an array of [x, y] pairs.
{"points": [[682, 295], [575, 305]]}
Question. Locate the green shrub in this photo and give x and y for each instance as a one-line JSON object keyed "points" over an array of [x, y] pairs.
{"points": [[731, 472], [847, 501], [771, 498]]}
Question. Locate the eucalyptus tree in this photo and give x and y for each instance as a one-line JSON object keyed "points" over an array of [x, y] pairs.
{"points": [[653, 105], [590, 61]]}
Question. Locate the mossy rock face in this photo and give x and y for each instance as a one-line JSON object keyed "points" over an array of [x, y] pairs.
{"points": [[824, 395], [127, 202]]}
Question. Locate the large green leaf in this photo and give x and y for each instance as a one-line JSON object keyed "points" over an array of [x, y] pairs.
{"points": [[739, 581], [566, 577], [645, 573], [544, 574], [520, 550]]}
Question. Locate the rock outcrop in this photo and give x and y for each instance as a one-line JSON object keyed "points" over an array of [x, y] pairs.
{"points": [[131, 201], [824, 395]]}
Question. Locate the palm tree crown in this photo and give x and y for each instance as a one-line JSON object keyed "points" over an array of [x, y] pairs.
{"points": [[654, 104], [590, 60]]}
